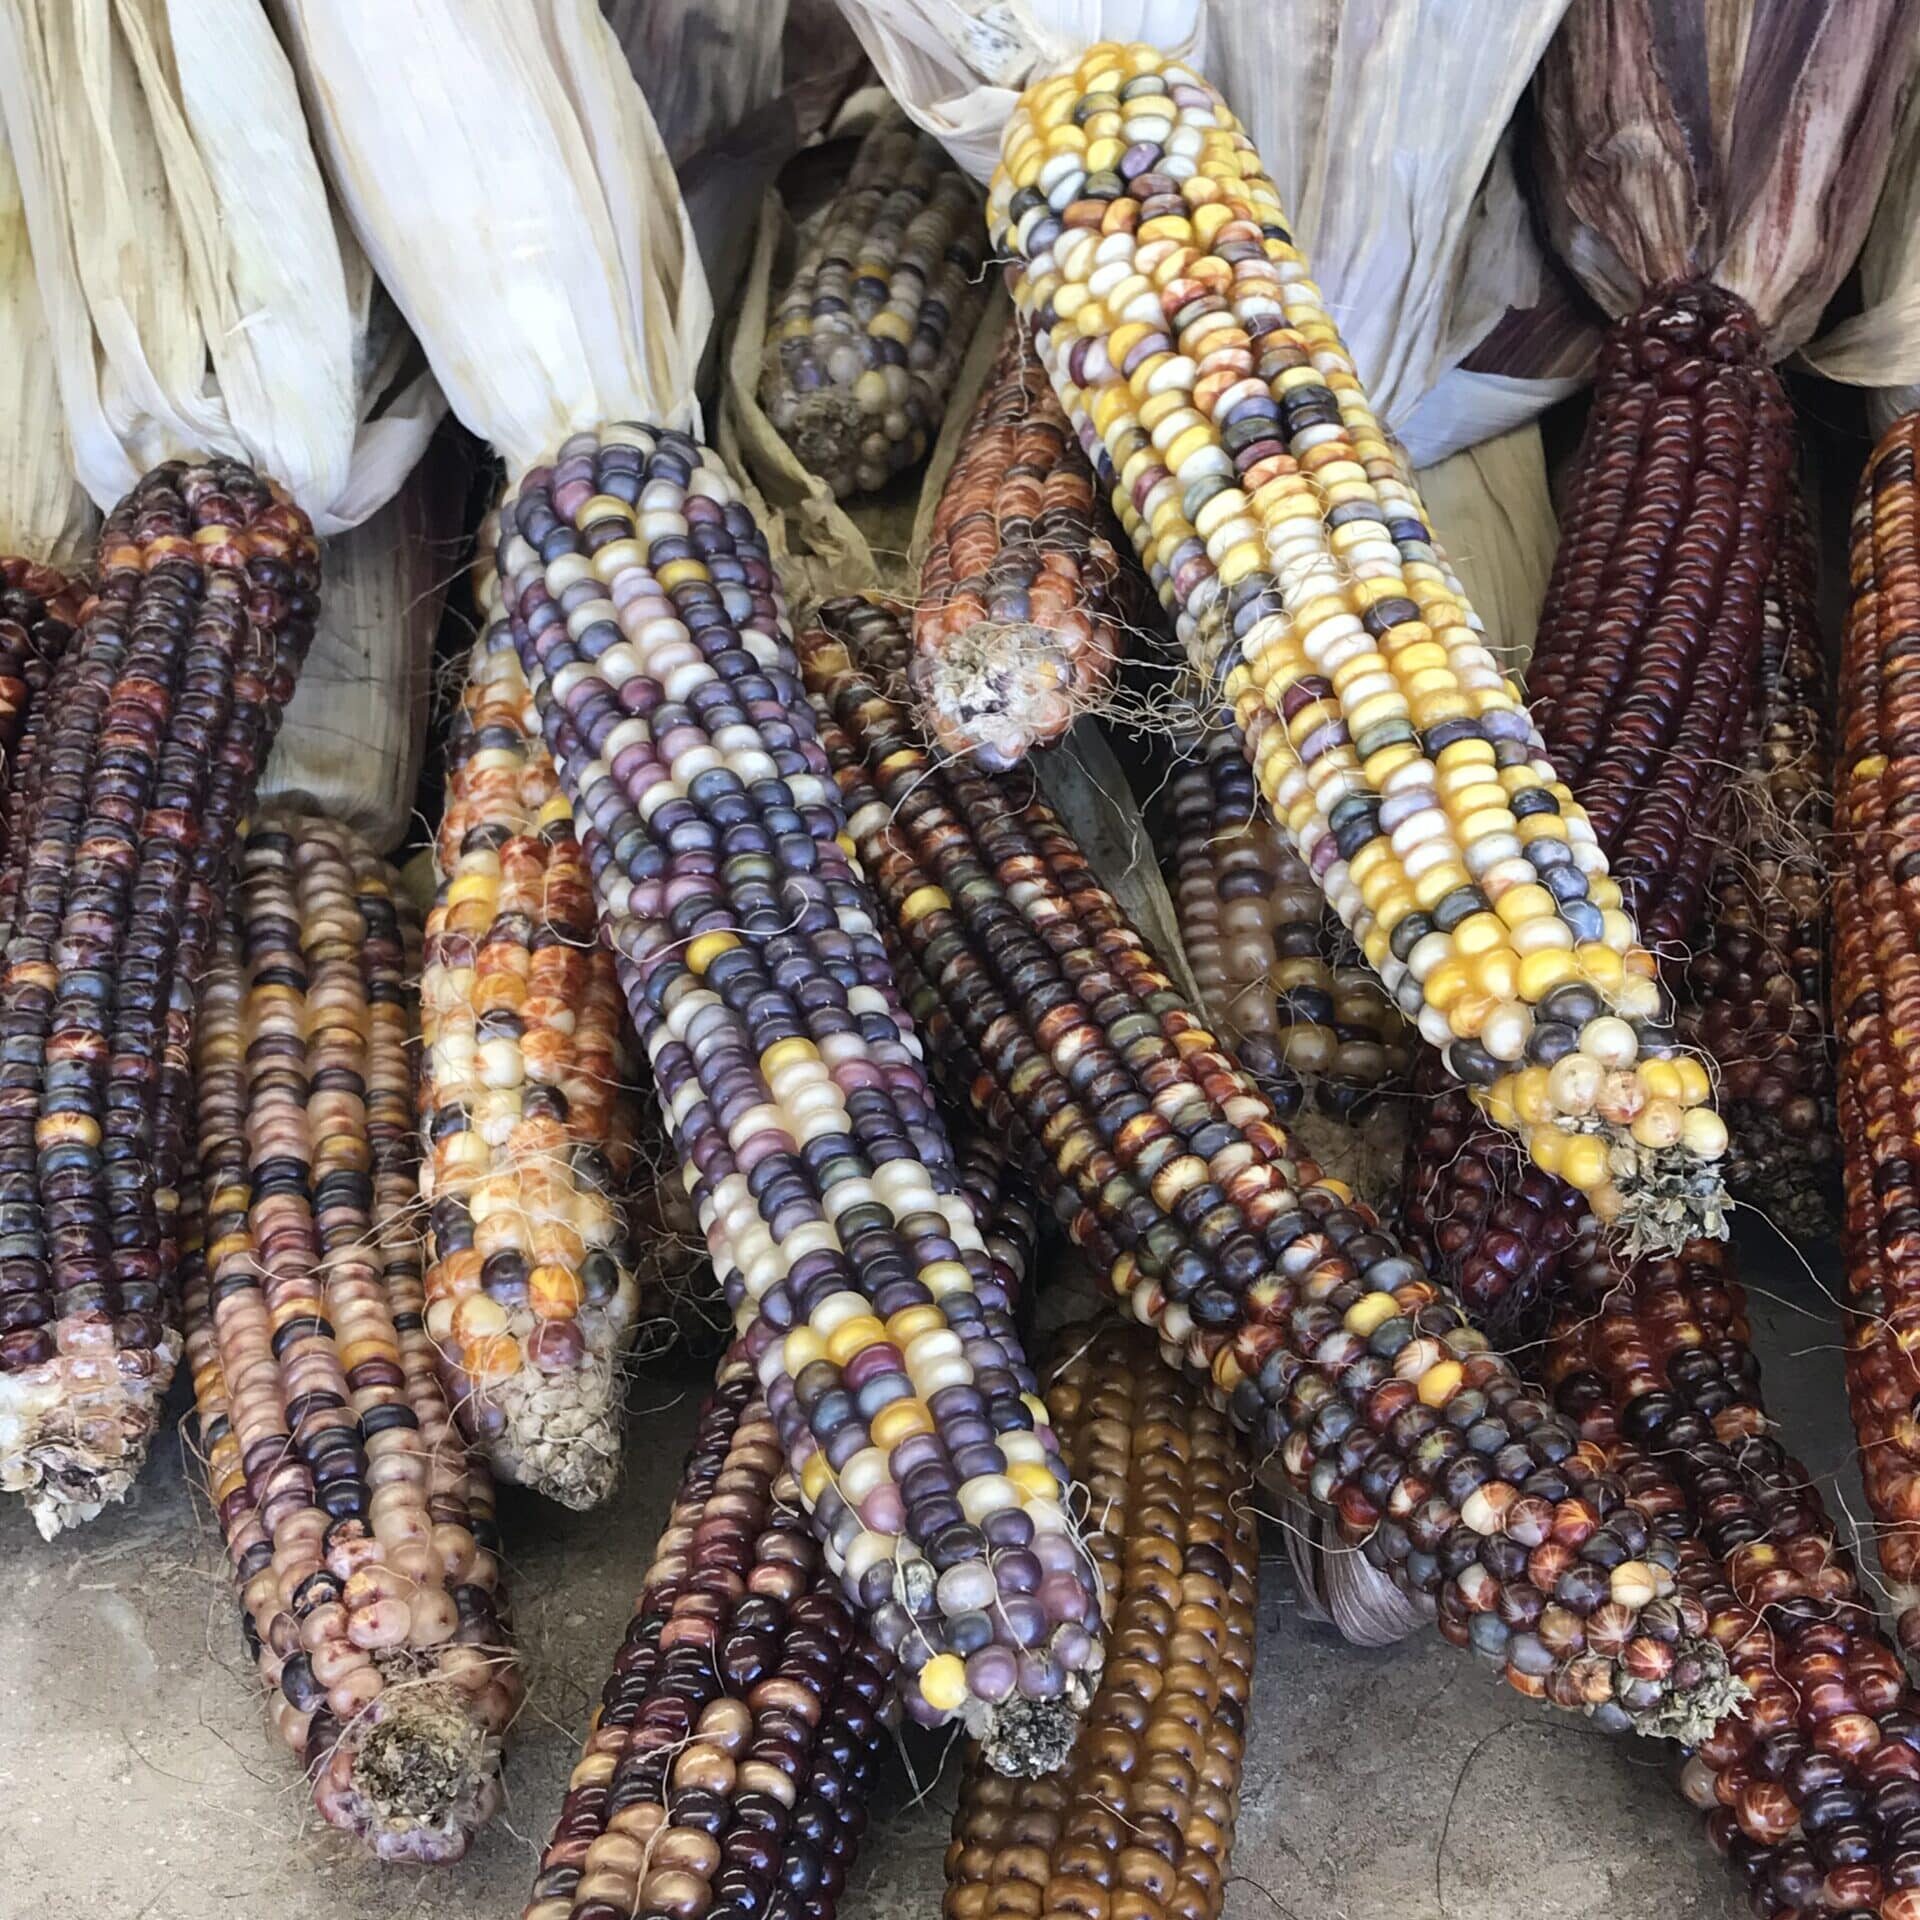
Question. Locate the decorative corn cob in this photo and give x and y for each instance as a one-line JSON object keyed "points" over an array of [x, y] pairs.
{"points": [[649, 622], [997, 1193], [1141, 1821], [164, 713], [866, 342], [39, 611], [1353, 1371], [360, 1530], [1283, 532], [728, 1761], [1018, 626], [1756, 989], [531, 1299]]}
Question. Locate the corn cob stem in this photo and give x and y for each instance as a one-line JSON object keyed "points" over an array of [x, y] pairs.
{"points": [[1018, 626], [361, 1534], [1142, 1820], [164, 715], [649, 624], [1323, 1338], [532, 1301], [735, 1738], [1176, 316], [867, 340]]}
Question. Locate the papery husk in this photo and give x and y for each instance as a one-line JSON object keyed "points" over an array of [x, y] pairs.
{"points": [[1738, 141], [199, 296]]}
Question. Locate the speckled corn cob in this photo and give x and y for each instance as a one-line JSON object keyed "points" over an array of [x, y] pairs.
{"points": [[1018, 626], [650, 625], [1284, 534], [1755, 994], [532, 1301], [1141, 1821], [866, 342], [360, 1530], [1356, 1375], [164, 713], [727, 1765], [40, 609]]}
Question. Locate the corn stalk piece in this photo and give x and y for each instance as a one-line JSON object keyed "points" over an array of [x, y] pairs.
{"points": [[360, 1530], [1284, 534]]}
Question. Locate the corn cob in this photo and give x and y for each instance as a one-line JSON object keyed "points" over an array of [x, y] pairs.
{"points": [[866, 342], [361, 1533], [1350, 1369], [39, 611], [1141, 1822], [649, 623], [1755, 992], [1284, 534], [531, 1298], [736, 1736], [997, 1193], [1019, 623], [165, 710]]}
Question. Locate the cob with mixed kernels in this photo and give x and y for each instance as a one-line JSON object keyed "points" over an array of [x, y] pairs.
{"points": [[649, 622], [40, 610], [361, 1531], [164, 714], [531, 1298], [866, 342], [1017, 630], [728, 1762], [1285, 536], [1141, 1820], [1355, 1374]]}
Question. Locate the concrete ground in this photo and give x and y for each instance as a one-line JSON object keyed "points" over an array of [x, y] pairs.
{"points": [[138, 1782]]}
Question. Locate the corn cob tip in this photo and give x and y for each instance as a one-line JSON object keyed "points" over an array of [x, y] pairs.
{"points": [[68, 1471]]}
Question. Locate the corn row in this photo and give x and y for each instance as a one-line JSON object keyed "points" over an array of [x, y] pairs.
{"points": [[866, 342], [532, 1299], [1018, 626], [361, 1534], [39, 613], [727, 1764], [997, 1192], [649, 623], [1141, 1821], [1355, 1373], [1282, 531], [164, 713], [1756, 989]]}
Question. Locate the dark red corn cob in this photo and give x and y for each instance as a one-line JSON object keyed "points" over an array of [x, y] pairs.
{"points": [[162, 720]]}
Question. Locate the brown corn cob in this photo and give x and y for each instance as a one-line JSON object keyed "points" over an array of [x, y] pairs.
{"points": [[532, 1298], [1323, 1338], [164, 715], [361, 1532], [40, 610], [1756, 991], [728, 1761], [1018, 625], [1141, 1820], [867, 340]]}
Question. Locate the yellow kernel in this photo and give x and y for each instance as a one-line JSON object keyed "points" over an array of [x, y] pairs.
{"points": [[1532, 1097], [1600, 964], [1527, 901], [943, 1681], [1703, 1133], [1584, 1162], [815, 1477], [1369, 1311], [1440, 1383], [1548, 1145], [854, 1336], [706, 948], [1479, 933], [1662, 1079], [1541, 972], [1034, 1480], [899, 1420], [1694, 1084], [921, 902]]}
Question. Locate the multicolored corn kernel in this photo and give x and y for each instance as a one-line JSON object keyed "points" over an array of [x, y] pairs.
{"points": [[1141, 1820], [649, 623], [40, 611], [1356, 1375], [360, 1530], [1018, 626], [728, 1761], [166, 706], [532, 1301], [1285, 536], [866, 342]]}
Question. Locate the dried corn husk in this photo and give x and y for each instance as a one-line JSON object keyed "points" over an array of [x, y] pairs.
{"points": [[1739, 141]]}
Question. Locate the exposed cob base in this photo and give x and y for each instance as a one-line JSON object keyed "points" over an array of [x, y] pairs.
{"points": [[72, 1441]]}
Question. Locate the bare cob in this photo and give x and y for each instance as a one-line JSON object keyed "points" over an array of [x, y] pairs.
{"points": [[360, 1530], [1142, 1819], [1018, 626], [532, 1299], [867, 340], [1356, 1373], [649, 623], [1283, 532], [164, 716], [726, 1767]]}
